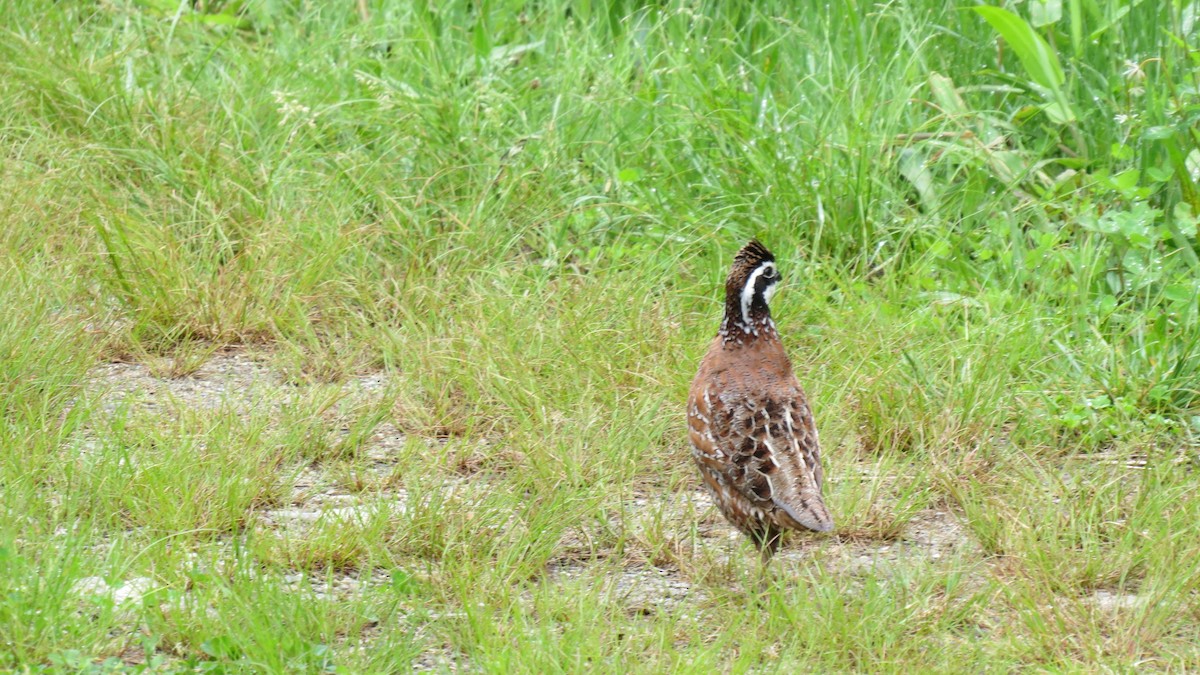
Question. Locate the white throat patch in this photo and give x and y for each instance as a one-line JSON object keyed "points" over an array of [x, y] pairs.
{"points": [[748, 291]]}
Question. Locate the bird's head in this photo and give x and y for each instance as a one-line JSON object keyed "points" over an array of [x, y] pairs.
{"points": [[749, 287]]}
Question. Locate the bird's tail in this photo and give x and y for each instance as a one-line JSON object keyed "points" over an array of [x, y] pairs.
{"points": [[807, 512]]}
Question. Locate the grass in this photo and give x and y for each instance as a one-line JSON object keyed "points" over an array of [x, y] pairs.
{"points": [[408, 298]]}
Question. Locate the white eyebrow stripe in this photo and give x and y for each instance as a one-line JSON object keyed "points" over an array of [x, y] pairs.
{"points": [[748, 290]]}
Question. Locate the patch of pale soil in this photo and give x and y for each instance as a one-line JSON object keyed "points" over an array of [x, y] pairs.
{"points": [[652, 590], [335, 587], [642, 589], [673, 509], [338, 507], [241, 384], [932, 535], [311, 506], [228, 377], [235, 378], [1107, 601], [443, 660], [385, 444], [125, 596]]}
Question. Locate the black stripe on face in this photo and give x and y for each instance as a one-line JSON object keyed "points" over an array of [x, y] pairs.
{"points": [[768, 278], [761, 285]]}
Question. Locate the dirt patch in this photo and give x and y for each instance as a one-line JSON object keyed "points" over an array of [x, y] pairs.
{"points": [[1107, 601], [235, 378], [932, 535], [670, 583], [678, 539], [344, 508], [334, 586], [641, 589]]}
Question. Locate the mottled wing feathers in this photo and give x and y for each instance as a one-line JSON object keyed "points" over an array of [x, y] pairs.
{"points": [[762, 449]]}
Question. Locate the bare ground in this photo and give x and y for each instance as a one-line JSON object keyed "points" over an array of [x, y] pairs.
{"points": [[243, 383]]}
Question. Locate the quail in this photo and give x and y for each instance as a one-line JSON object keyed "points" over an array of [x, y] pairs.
{"points": [[749, 422]]}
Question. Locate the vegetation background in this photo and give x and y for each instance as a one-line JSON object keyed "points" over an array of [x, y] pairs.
{"points": [[514, 217]]}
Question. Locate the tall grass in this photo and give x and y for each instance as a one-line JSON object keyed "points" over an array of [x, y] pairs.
{"points": [[521, 213]]}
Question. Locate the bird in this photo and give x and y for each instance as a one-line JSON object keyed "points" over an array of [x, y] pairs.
{"points": [[749, 422]]}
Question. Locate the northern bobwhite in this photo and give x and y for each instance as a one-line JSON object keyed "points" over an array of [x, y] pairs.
{"points": [[751, 429]]}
